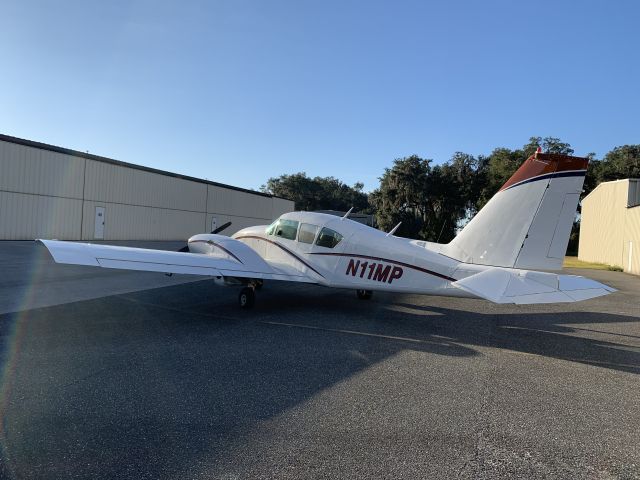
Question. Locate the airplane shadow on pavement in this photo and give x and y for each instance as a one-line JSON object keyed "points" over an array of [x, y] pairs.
{"points": [[154, 383]]}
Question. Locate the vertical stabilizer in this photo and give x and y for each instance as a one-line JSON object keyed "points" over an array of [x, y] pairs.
{"points": [[528, 222]]}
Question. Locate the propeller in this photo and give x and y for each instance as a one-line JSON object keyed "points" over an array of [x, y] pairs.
{"points": [[217, 230], [222, 227]]}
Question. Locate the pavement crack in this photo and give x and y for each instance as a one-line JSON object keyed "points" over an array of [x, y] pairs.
{"points": [[483, 410]]}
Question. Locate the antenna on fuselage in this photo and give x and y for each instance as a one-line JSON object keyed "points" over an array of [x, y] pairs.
{"points": [[393, 230], [346, 215]]}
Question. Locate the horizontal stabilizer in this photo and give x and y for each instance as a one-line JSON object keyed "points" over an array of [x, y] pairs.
{"points": [[501, 285]]}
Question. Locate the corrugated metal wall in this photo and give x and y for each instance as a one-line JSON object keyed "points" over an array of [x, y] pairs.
{"points": [[609, 230], [631, 255], [46, 194]]}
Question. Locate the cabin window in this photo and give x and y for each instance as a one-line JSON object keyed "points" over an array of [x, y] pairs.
{"points": [[328, 238], [307, 233], [286, 229]]}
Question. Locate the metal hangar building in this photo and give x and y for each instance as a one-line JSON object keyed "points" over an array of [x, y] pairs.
{"points": [[610, 225], [53, 192]]}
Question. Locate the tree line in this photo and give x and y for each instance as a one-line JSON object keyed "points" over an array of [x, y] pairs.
{"points": [[433, 201]]}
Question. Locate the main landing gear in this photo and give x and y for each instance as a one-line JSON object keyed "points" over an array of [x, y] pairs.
{"points": [[247, 297], [364, 294]]}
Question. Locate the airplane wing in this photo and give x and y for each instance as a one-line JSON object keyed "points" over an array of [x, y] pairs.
{"points": [[234, 260], [501, 285]]}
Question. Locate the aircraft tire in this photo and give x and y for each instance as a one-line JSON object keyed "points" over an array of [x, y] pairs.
{"points": [[364, 294], [247, 298]]}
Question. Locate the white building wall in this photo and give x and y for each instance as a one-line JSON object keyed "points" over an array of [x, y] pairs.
{"points": [[49, 194], [26, 217], [239, 204], [280, 206], [40, 193], [242, 210], [134, 222], [32, 170], [118, 184]]}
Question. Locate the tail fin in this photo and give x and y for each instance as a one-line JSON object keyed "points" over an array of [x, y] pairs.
{"points": [[528, 222]]}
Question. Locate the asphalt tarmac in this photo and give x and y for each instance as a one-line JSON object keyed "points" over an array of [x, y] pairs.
{"points": [[102, 381]]}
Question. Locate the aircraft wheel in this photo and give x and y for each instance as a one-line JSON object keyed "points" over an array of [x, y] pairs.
{"points": [[247, 297], [364, 294]]}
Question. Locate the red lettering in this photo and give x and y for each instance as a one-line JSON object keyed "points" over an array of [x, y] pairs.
{"points": [[377, 271], [371, 267], [382, 273], [352, 268], [395, 274], [363, 267]]}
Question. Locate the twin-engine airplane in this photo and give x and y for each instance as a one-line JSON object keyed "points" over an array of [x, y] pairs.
{"points": [[525, 226]]}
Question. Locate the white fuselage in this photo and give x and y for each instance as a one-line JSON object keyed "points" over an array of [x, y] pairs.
{"points": [[364, 258]]}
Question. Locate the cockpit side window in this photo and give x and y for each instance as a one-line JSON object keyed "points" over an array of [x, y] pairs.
{"points": [[286, 229], [328, 238], [307, 232]]}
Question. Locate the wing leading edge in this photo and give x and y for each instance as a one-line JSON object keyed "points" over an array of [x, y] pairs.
{"points": [[246, 263]]}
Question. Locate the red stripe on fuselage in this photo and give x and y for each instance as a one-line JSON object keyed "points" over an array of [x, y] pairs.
{"points": [[380, 259], [388, 260]]}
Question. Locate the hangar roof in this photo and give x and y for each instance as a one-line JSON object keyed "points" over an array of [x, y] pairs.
{"points": [[90, 156], [633, 190]]}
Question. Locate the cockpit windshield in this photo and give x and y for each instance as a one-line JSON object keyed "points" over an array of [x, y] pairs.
{"points": [[271, 228], [283, 228]]}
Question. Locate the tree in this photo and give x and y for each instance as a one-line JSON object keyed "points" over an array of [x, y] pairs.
{"points": [[500, 165], [319, 193], [433, 201], [548, 145], [400, 197], [503, 162], [429, 201], [621, 162]]}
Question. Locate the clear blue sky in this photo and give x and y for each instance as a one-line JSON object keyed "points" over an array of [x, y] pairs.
{"points": [[239, 91]]}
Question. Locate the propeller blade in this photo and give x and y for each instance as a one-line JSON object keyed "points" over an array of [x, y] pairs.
{"points": [[217, 230], [222, 227]]}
